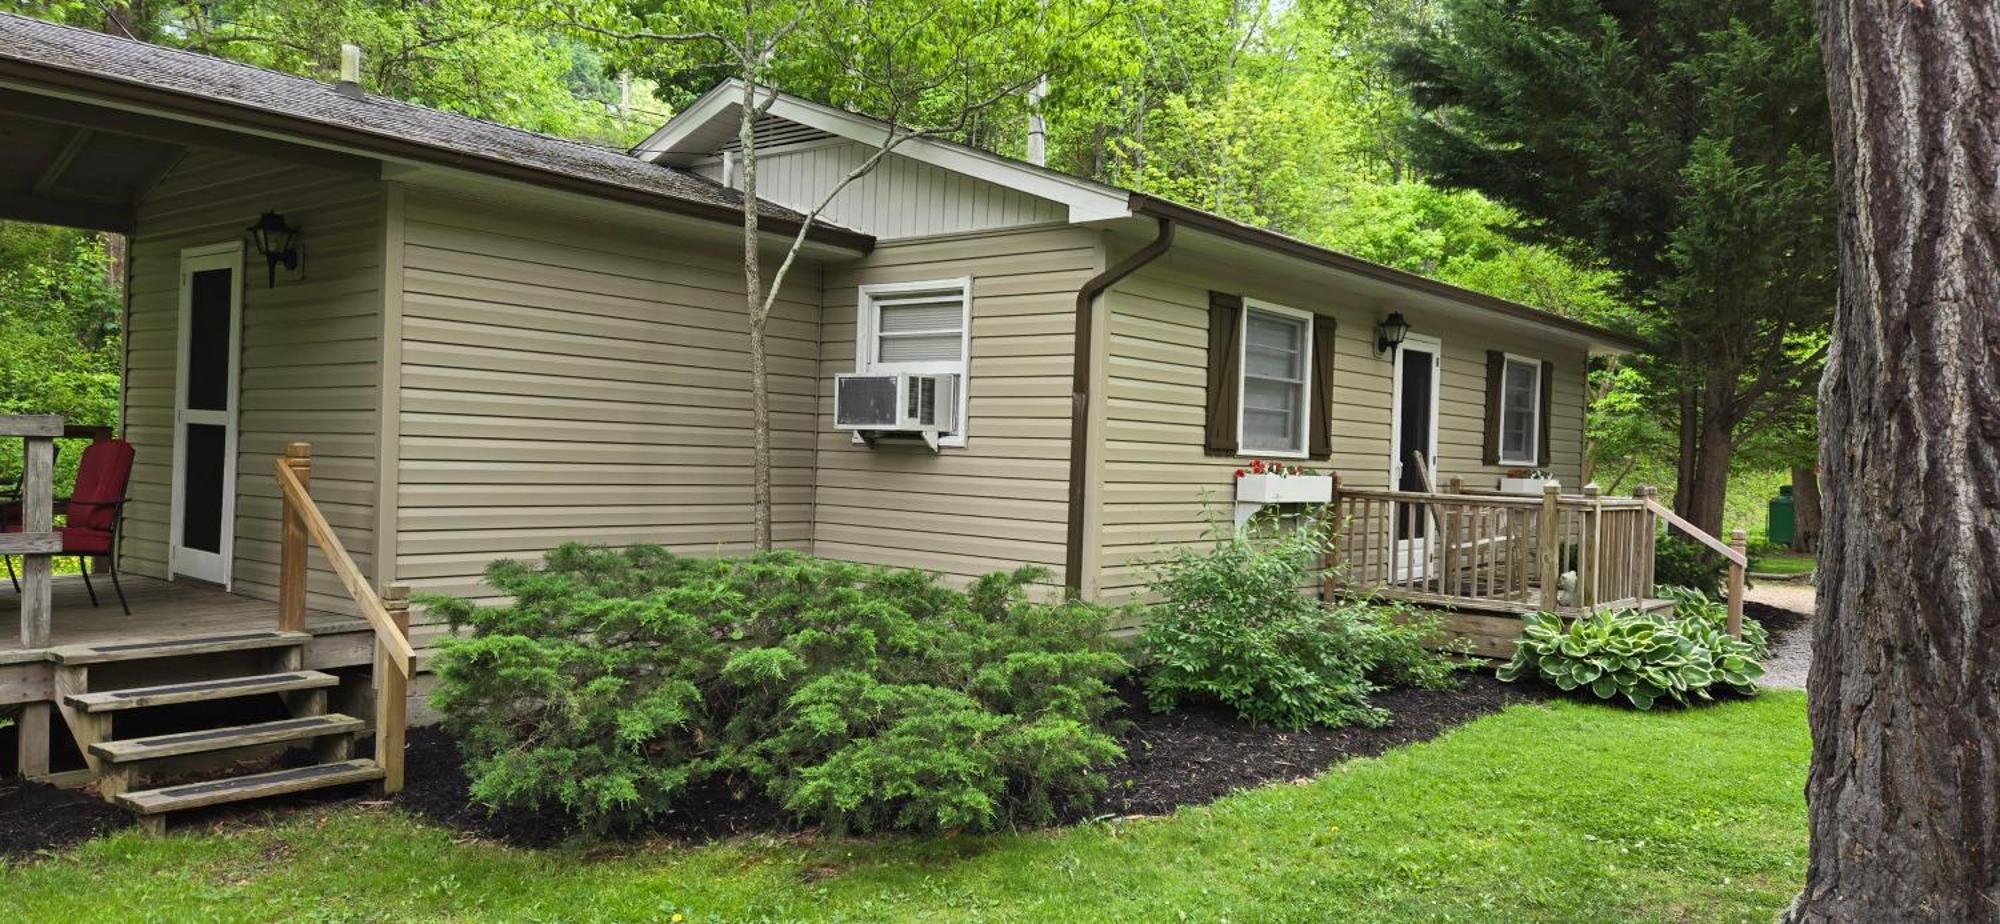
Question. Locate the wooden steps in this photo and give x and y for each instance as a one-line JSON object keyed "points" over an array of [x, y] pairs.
{"points": [[198, 691], [179, 647], [222, 739], [152, 805]]}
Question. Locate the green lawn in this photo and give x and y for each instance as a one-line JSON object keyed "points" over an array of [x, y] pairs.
{"points": [[1785, 563], [1564, 812]]}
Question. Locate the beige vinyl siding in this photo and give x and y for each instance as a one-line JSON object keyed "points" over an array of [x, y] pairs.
{"points": [[1157, 479], [1000, 502], [901, 197], [562, 381], [309, 348]]}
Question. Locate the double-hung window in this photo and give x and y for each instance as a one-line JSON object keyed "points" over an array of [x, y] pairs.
{"points": [[922, 327], [1520, 411], [1277, 365]]}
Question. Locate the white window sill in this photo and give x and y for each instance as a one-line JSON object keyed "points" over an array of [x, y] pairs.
{"points": [[1270, 454], [1531, 463]]}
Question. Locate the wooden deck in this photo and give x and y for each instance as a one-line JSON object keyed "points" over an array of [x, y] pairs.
{"points": [[160, 611]]}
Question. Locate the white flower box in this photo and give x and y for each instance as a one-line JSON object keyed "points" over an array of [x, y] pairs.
{"points": [[1523, 485], [1255, 488]]}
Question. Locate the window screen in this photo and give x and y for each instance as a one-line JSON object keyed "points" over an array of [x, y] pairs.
{"points": [[1520, 402], [920, 327], [1274, 382]]}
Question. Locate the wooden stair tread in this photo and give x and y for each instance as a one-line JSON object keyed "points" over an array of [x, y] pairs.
{"points": [[221, 739], [198, 691], [254, 786], [178, 647]]}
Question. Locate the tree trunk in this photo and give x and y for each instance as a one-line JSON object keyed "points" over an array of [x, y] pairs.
{"points": [[1706, 445], [1805, 509], [1903, 795], [753, 287]]}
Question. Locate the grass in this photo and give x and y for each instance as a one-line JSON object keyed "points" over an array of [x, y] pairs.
{"points": [[1784, 563], [1561, 812]]}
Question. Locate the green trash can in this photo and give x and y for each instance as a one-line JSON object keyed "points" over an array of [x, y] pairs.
{"points": [[1781, 522]]}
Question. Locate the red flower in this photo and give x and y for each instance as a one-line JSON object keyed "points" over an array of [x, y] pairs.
{"points": [[1240, 473], [1257, 465]]}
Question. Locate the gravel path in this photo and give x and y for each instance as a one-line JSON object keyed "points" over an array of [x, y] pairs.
{"points": [[1786, 668]]}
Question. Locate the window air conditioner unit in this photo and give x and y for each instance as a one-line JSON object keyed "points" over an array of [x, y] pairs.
{"points": [[923, 404]]}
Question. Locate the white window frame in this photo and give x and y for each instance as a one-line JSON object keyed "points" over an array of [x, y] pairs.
{"points": [[1303, 428], [867, 337], [1534, 456]]}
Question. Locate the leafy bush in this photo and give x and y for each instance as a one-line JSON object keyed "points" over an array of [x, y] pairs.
{"points": [[1234, 625], [1643, 656], [857, 697], [1680, 562]]}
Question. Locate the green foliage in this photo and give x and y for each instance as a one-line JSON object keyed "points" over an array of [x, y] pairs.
{"points": [[856, 697], [1685, 563], [1233, 626], [1642, 656], [60, 317]]}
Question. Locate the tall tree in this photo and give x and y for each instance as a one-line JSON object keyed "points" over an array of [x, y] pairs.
{"points": [[1683, 143], [923, 67], [1904, 697]]}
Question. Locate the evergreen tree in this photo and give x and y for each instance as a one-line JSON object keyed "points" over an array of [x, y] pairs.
{"points": [[1685, 144]]}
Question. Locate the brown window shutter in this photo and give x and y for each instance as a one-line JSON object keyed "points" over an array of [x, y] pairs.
{"points": [[1496, 372], [1319, 441], [1543, 416], [1225, 325]]}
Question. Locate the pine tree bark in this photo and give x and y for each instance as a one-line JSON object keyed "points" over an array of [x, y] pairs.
{"points": [[1903, 795]]}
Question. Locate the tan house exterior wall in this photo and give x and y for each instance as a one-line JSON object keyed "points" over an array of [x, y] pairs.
{"points": [[1157, 479], [1000, 501], [310, 348], [561, 380]]}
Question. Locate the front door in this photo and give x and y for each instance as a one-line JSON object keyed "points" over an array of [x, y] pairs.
{"points": [[203, 527], [1414, 428]]}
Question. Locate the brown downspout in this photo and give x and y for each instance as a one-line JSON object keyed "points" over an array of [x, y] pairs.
{"points": [[1079, 394]]}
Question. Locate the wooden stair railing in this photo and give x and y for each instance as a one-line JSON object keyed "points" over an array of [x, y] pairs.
{"points": [[36, 543], [387, 613], [1735, 553]]}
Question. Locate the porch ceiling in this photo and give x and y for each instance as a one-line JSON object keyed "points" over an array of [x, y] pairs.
{"points": [[75, 173]]}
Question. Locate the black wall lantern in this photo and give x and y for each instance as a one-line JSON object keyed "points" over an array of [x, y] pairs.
{"points": [[277, 241], [1390, 333]]}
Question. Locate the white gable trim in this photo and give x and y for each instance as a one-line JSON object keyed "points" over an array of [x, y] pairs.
{"points": [[700, 129]]}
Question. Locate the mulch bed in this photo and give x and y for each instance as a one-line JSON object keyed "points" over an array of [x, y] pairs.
{"points": [[1191, 756], [36, 817], [1198, 754], [1778, 622]]}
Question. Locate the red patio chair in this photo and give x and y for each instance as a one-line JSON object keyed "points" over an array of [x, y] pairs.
{"points": [[95, 510]]}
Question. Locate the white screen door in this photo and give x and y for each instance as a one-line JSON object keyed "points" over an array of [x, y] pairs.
{"points": [[1414, 429], [207, 360]]}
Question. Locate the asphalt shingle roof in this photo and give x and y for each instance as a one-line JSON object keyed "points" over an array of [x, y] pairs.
{"points": [[476, 143]]}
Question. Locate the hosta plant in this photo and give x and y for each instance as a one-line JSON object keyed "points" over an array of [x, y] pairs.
{"points": [[1642, 657]]}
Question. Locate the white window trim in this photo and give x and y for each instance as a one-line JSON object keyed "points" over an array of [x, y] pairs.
{"points": [[1534, 456], [1304, 426], [866, 336]]}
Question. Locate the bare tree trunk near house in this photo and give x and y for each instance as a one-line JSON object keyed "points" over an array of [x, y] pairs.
{"points": [[760, 311], [1903, 795]]}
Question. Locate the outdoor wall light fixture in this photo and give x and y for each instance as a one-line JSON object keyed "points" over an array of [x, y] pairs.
{"points": [[1390, 333], [277, 241]]}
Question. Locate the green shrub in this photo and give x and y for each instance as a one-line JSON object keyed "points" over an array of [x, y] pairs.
{"points": [[1233, 625], [856, 697], [1642, 656], [1681, 562]]}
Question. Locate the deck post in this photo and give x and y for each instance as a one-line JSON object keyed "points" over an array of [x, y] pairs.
{"points": [[292, 546], [1738, 543], [37, 519], [392, 694], [1549, 555], [1649, 534]]}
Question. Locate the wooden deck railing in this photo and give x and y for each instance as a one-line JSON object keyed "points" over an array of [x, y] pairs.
{"points": [[37, 542], [387, 613], [1568, 554]]}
